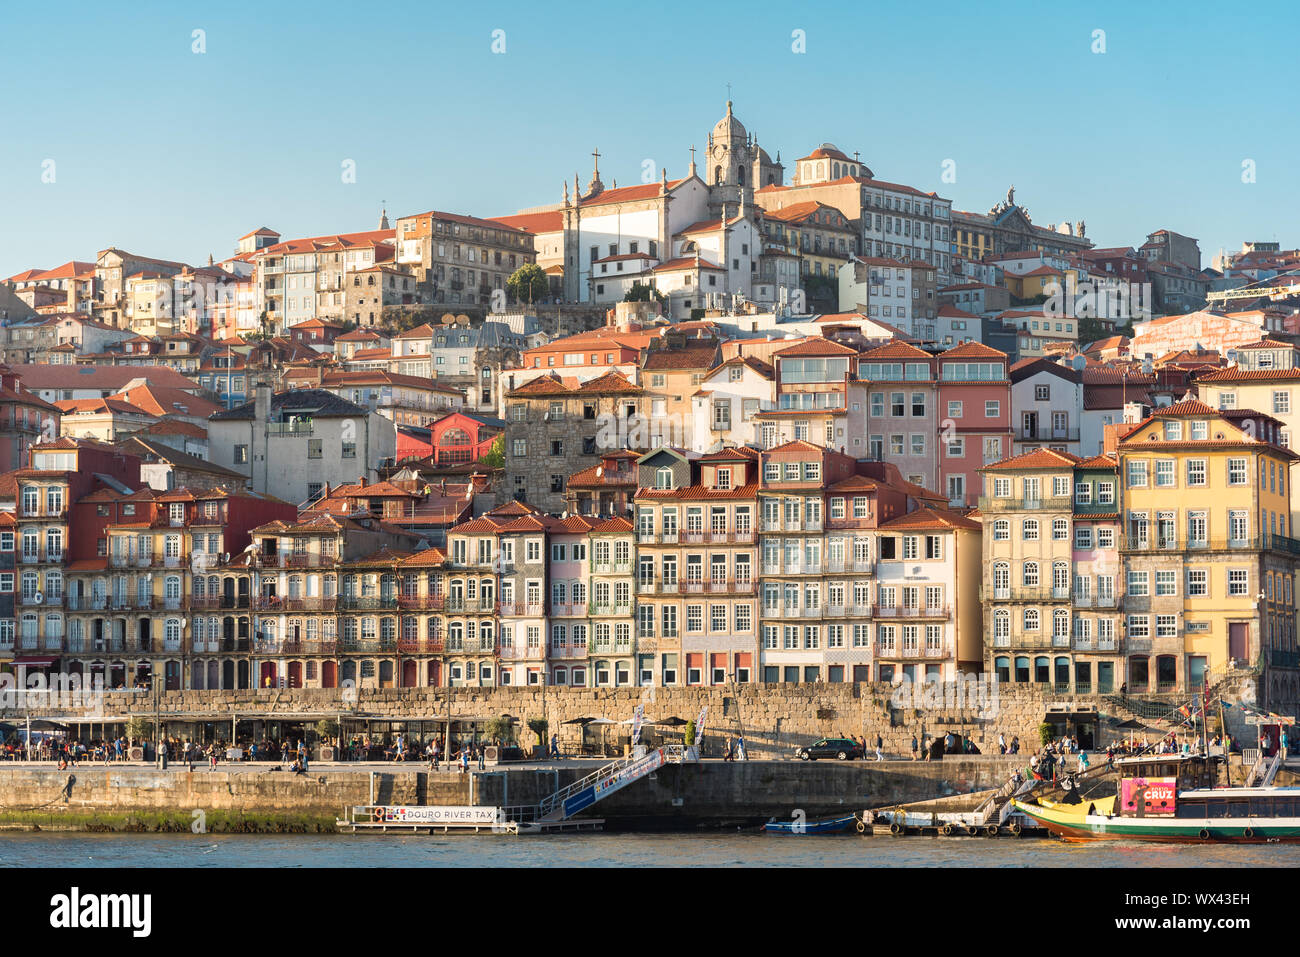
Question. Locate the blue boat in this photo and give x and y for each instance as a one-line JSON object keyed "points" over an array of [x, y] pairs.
{"points": [[833, 825]]}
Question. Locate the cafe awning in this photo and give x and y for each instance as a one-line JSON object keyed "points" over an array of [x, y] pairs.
{"points": [[35, 661]]}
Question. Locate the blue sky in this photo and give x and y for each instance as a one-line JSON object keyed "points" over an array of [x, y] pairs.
{"points": [[174, 154]]}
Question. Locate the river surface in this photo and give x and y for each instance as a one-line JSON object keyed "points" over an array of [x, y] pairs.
{"points": [[611, 850]]}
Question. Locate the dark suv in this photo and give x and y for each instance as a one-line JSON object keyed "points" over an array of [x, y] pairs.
{"points": [[845, 749]]}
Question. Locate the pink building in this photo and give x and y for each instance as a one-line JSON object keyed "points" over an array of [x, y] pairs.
{"points": [[892, 410], [974, 417]]}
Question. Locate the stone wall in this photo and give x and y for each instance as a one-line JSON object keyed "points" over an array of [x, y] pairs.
{"points": [[710, 793], [774, 719]]}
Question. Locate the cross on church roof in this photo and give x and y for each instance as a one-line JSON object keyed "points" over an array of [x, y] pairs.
{"points": [[596, 154]]}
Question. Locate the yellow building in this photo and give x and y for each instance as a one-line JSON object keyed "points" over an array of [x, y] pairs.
{"points": [[1209, 564], [1028, 567]]}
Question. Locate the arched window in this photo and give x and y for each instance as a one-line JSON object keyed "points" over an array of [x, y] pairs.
{"points": [[1031, 619], [1029, 575], [1001, 530], [1001, 624], [1061, 580], [1061, 624], [1029, 530], [664, 477], [1001, 578]]}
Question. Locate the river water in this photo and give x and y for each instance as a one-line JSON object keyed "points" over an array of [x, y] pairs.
{"points": [[740, 849]]}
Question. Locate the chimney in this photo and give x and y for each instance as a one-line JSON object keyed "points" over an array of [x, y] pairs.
{"points": [[262, 402], [361, 481]]}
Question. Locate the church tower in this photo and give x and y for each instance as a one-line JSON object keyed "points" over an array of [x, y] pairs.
{"points": [[728, 162]]}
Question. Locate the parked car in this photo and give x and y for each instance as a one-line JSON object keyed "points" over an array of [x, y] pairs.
{"points": [[844, 749]]}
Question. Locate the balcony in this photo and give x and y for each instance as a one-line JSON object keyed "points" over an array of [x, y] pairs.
{"points": [[42, 511], [84, 603], [288, 430], [611, 568], [371, 645], [471, 606], [420, 646], [1095, 601], [1026, 433], [1050, 503], [1278, 543], [514, 652], [273, 603], [611, 610], [368, 603], [567, 652], [522, 609], [421, 602], [1025, 593], [568, 610], [918, 611]]}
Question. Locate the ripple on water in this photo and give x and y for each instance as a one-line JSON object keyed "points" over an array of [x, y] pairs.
{"points": [[723, 849]]}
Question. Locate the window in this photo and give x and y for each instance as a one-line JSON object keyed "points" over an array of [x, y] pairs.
{"points": [[1083, 493], [1165, 473], [1238, 579], [1237, 472], [1196, 472], [1042, 393], [1029, 530], [1166, 582], [1060, 530], [1137, 473], [954, 409], [313, 448], [992, 409], [1083, 538], [1001, 530], [349, 450], [1198, 583], [1281, 401], [1139, 584], [1105, 493], [241, 455]]}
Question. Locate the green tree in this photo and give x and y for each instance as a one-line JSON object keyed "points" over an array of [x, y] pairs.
{"points": [[495, 456], [137, 728], [500, 729], [642, 292], [1045, 733], [327, 729], [538, 727], [528, 283]]}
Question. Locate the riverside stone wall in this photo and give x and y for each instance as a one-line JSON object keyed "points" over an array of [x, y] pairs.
{"points": [[773, 719]]}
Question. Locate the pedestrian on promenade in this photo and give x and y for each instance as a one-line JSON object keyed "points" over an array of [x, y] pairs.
{"points": [[464, 758], [482, 753], [162, 754], [1002, 743], [212, 757], [302, 756], [741, 753], [915, 747], [880, 745], [555, 746], [1083, 761], [1015, 744], [435, 753], [727, 749], [927, 746]]}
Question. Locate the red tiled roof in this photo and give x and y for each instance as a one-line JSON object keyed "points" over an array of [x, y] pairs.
{"points": [[931, 518], [973, 349], [1046, 459], [815, 346]]}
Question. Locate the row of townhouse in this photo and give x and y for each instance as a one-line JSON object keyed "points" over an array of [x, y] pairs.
{"points": [[785, 566], [1146, 569]]}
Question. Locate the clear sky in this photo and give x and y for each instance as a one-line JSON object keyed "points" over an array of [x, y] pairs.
{"points": [[175, 154]]}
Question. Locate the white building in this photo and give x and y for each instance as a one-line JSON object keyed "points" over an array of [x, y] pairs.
{"points": [[292, 443], [726, 406], [1047, 406]]}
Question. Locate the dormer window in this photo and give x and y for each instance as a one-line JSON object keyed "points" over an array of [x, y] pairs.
{"points": [[664, 477], [724, 478], [1173, 431], [1200, 429]]}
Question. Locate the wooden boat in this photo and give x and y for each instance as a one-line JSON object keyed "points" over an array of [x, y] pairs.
{"points": [[831, 826], [1176, 799]]}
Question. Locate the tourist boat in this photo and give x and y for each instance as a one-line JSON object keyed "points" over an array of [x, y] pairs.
{"points": [[830, 826], [1177, 798]]}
